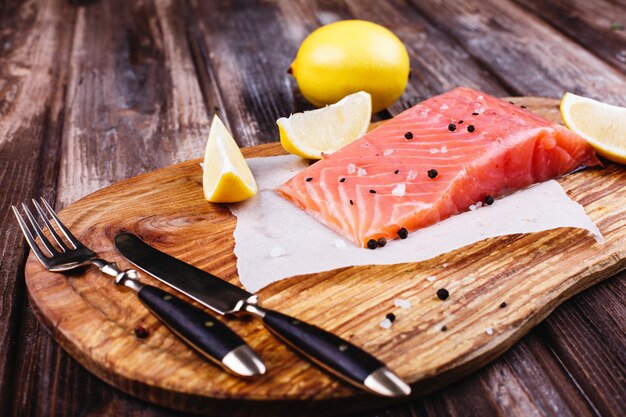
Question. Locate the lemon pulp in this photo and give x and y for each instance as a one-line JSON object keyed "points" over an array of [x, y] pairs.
{"points": [[601, 124], [323, 131]]}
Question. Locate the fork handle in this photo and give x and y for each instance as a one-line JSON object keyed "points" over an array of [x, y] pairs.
{"points": [[197, 328]]}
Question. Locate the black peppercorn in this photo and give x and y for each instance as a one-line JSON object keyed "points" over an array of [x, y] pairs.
{"points": [[372, 244], [391, 317], [408, 135], [141, 332], [309, 179], [403, 233], [471, 128], [382, 242], [489, 200], [451, 127], [432, 173], [442, 293]]}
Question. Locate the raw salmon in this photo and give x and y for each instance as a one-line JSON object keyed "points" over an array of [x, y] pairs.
{"points": [[439, 158]]}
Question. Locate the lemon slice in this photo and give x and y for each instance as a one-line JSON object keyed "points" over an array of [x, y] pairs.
{"points": [[227, 177], [601, 124], [311, 133]]}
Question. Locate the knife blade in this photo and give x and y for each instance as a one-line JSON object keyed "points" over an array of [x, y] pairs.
{"points": [[325, 349]]}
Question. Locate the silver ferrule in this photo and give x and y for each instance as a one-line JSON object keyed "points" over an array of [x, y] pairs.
{"points": [[127, 278], [254, 309]]}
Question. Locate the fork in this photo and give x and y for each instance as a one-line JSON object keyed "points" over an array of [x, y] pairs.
{"points": [[206, 335]]}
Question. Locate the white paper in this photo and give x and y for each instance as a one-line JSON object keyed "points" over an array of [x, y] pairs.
{"points": [[275, 240]]}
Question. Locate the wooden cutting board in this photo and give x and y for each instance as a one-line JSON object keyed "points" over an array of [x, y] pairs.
{"points": [[93, 320]]}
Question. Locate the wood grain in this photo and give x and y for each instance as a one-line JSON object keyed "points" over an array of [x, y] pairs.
{"points": [[595, 25], [94, 322], [33, 48], [520, 49]]}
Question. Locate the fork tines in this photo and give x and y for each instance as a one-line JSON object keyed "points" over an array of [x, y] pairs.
{"points": [[61, 247]]}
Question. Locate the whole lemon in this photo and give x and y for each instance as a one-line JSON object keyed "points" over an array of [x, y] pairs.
{"points": [[350, 56]]}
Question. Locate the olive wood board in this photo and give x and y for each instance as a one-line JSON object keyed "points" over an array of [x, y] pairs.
{"points": [[532, 273]]}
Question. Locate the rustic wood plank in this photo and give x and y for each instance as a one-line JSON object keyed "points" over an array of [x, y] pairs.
{"points": [[133, 109], [34, 44], [249, 50], [588, 335], [531, 57], [599, 26]]}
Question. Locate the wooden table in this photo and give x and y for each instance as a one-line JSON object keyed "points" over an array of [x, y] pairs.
{"points": [[95, 91]]}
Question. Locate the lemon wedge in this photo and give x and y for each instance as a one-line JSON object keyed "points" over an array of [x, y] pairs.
{"points": [[601, 124], [311, 133], [227, 177]]}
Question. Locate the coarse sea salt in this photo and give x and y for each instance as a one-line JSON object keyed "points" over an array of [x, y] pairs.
{"points": [[277, 251], [361, 172], [434, 150], [472, 207], [431, 278], [411, 175], [424, 112], [479, 204], [351, 169], [399, 190], [444, 149], [398, 302], [387, 152], [443, 107], [385, 324], [340, 243]]}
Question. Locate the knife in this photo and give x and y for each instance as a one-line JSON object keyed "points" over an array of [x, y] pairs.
{"points": [[325, 349]]}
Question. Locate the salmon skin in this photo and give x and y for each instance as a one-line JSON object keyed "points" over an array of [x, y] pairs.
{"points": [[432, 161]]}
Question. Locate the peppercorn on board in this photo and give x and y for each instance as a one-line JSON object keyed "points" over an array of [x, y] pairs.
{"points": [[495, 291]]}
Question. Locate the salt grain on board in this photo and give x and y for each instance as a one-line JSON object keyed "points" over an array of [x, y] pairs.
{"points": [[402, 303], [472, 207], [489, 331], [431, 278], [385, 324]]}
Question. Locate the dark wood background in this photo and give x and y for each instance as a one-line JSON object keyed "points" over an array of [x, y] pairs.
{"points": [[92, 92]]}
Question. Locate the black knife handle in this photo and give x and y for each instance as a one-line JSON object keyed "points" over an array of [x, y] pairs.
{"points": [[332, 353], [208, 336]]}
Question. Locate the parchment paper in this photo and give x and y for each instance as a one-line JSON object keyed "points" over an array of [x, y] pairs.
{"points": [[275, 240]]}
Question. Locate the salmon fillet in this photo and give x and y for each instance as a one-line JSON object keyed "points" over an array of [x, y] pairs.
{"points": [[432, 161]]}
